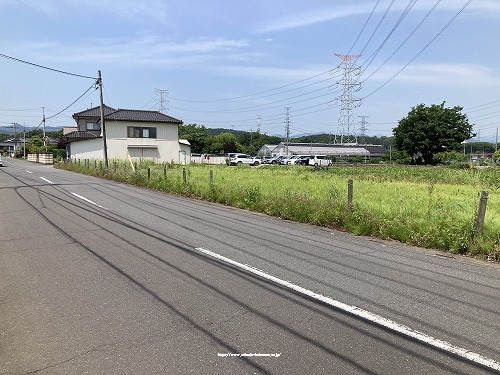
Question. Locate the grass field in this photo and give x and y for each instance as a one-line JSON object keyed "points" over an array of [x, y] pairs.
{"points": [[433, 207]]}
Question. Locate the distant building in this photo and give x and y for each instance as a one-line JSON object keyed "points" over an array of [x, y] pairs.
{"points": [[322, 149], [12, 145], [266, 150], [135, 133]]}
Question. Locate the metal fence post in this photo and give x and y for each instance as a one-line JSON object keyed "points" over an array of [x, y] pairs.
{"points": [[481, 213], [149, 173], [184, 175], [211, 178]]}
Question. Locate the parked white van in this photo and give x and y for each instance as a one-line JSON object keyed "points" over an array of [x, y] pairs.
{"points": [[320, 161]]}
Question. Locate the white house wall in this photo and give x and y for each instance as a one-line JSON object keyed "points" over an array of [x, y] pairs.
{"points": [[89, 149], [163, 149]]}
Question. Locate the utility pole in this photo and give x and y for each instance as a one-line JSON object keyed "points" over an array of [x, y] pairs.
{"points": [[287, 127], [258, 123], [14, 125], [496, 141], [346, 130], [103, 126], [44, 135]]}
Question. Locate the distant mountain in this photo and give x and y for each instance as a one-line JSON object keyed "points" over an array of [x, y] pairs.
{"points": [[482, 139], [10, 129]]}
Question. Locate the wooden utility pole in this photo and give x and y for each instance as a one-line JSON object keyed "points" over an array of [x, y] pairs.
{"points": [[44, 135], [103, 126]]}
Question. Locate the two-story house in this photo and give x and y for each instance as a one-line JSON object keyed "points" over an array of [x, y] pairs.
{"points": [[135, 133]]}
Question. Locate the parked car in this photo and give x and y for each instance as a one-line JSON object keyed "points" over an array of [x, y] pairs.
{"points": [[1, 161], [240, 159], [298, 158], [276, 159], [320, 161], [266, 159], [303, 160], [286, 160]]}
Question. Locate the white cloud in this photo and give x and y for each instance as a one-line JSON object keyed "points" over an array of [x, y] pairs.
{"points": [[302, 19], [156, 9], [144, 50], [271, 73], [466, 76]]}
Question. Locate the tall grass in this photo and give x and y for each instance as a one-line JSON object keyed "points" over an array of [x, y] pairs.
{"points": [[424, 206]]}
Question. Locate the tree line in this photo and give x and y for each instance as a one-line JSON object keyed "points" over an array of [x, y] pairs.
{"points": [[432, 135], [222, 141], [429, 135]]}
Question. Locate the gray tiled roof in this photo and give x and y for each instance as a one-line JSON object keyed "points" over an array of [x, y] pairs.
{"points": [[94, 112], [141, 116], [127, 115], [79, 135]]}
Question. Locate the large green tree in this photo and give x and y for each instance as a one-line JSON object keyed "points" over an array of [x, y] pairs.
{"points": [[426, 131], [197, 135], [223, 143]]}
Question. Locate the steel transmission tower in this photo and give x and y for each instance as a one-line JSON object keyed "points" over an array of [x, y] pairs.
{"points": [[161, 100], [346, 130], [362, 129]]}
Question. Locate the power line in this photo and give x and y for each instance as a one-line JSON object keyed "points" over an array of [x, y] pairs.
{"points": [[261, 106], [407, 10], [20, 110], [58, 113], [364, 26], [405, 40], [377, 27], [422, 50], [45, 67], [480, 105], [255, 94]]}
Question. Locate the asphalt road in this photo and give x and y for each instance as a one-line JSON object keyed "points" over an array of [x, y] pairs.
{"points": [[103, 278]]}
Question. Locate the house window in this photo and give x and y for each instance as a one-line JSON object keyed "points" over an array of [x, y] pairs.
{"points": [[93, 126], [139, 132]]}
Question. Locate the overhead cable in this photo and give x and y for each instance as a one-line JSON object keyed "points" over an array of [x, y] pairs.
{"points": [[45, 67], [364, 26], [410, 5], [377, 27], [255, 94], [58, 113], [404, 41], [422, 50]]}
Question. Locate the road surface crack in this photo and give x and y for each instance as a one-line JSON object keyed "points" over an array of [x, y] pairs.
{"points": [[95, 349]]}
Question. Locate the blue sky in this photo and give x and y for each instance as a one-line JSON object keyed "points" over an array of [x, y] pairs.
{"points": [[227, 62]]}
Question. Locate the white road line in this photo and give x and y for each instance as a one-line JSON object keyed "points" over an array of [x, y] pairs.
{"points": [[89, 201], [364, 314], [43, 178], [29, 172]]}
